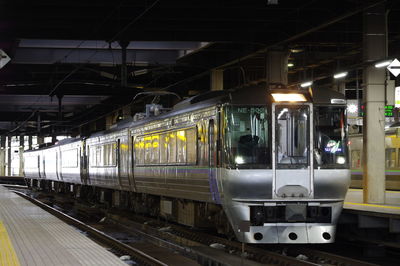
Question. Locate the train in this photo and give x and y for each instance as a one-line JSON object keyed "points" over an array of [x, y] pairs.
{"points": [[392, 159], [262, 165]]}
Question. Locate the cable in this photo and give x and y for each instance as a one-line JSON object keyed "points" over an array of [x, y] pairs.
{"points": [[133, 21], [155, 93], [23, 123], [95, 30]]}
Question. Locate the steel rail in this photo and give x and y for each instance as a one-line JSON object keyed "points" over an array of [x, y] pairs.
{"points": [[325, 257], [182, 235]]}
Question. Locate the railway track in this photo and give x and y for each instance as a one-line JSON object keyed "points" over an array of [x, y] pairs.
{"points": [[194, 244], [179, 234]]}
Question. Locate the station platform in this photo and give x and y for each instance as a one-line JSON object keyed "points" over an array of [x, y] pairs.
{"points": [[354, 201], [31, 236]]}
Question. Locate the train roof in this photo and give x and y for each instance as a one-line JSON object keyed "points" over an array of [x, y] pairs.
{"points": [[324, 96], [254, 95], [249, 95], [58, 143]]}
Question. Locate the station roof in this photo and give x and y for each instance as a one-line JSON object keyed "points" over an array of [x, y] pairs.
{"points": [[71, 50]]}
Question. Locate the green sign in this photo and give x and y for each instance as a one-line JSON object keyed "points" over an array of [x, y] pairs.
{"points": [[388, 110]]}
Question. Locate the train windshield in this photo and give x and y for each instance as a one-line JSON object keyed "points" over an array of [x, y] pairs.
{"points": [[330, 139], [246, 137]]}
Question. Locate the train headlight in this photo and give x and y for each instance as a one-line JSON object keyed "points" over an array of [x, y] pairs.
{"points": [[288, 97], [239, 160], [340, 160]]}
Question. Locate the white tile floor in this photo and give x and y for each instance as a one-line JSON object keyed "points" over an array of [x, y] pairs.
{"points": [[41, 239]]}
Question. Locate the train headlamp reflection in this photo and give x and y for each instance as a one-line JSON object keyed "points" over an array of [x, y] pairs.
{"points": [[239, 160], [340, 160]]}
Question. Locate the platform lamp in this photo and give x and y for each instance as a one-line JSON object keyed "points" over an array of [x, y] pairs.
{"points": [[306, 84]]}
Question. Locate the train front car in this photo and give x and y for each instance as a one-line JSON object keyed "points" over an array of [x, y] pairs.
{"points": [[285, 166]]}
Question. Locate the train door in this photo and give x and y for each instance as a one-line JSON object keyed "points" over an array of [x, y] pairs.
{"points": [[132, 172], [39, 166], [119, 162], [292, 150], [212, 159], [58, 164], [43, 175], [83, 163]]}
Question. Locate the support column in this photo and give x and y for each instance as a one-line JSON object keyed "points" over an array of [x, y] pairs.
{"points": [[110, 120], [217, 80], [276, 68], [9, 155], [30, 142], [21, 155], [40, 140], [60, 115], [38, 123], [126, 111], [340, 86], [374, 48], [124, 72], [2, 155]]}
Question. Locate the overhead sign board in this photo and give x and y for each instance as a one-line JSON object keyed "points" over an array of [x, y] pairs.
{"points": [[4, 58]]}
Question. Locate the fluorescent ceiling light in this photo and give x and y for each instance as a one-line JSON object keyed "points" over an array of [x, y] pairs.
{"points": [[306, 84], [383, 63], [140, 72], [296, 50], [290, 65], [288, 97], [340, 75]]}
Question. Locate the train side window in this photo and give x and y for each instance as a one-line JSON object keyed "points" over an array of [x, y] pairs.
{"points": [[111, 159], [92, 155], [390, 158], [355, 159], [181, 146], [148, 148], [107, 153], [69, 158], [155, 155], [172, 147], [139, 150], [164, 148], [202, 143], [191, 146], [99, 155]]}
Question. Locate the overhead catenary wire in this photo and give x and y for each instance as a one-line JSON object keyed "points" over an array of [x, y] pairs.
{"points": [[126, 27]]}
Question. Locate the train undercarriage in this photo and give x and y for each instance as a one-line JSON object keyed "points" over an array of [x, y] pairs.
{"points": [[191, 213]]}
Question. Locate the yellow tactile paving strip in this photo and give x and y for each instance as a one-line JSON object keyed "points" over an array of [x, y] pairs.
{"points": [[40, 239], [392, 202], [7, 252], [373, 205]]}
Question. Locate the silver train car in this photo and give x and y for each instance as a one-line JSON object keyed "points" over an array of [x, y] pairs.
{"points": [[267, 166], [392, 159]]}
